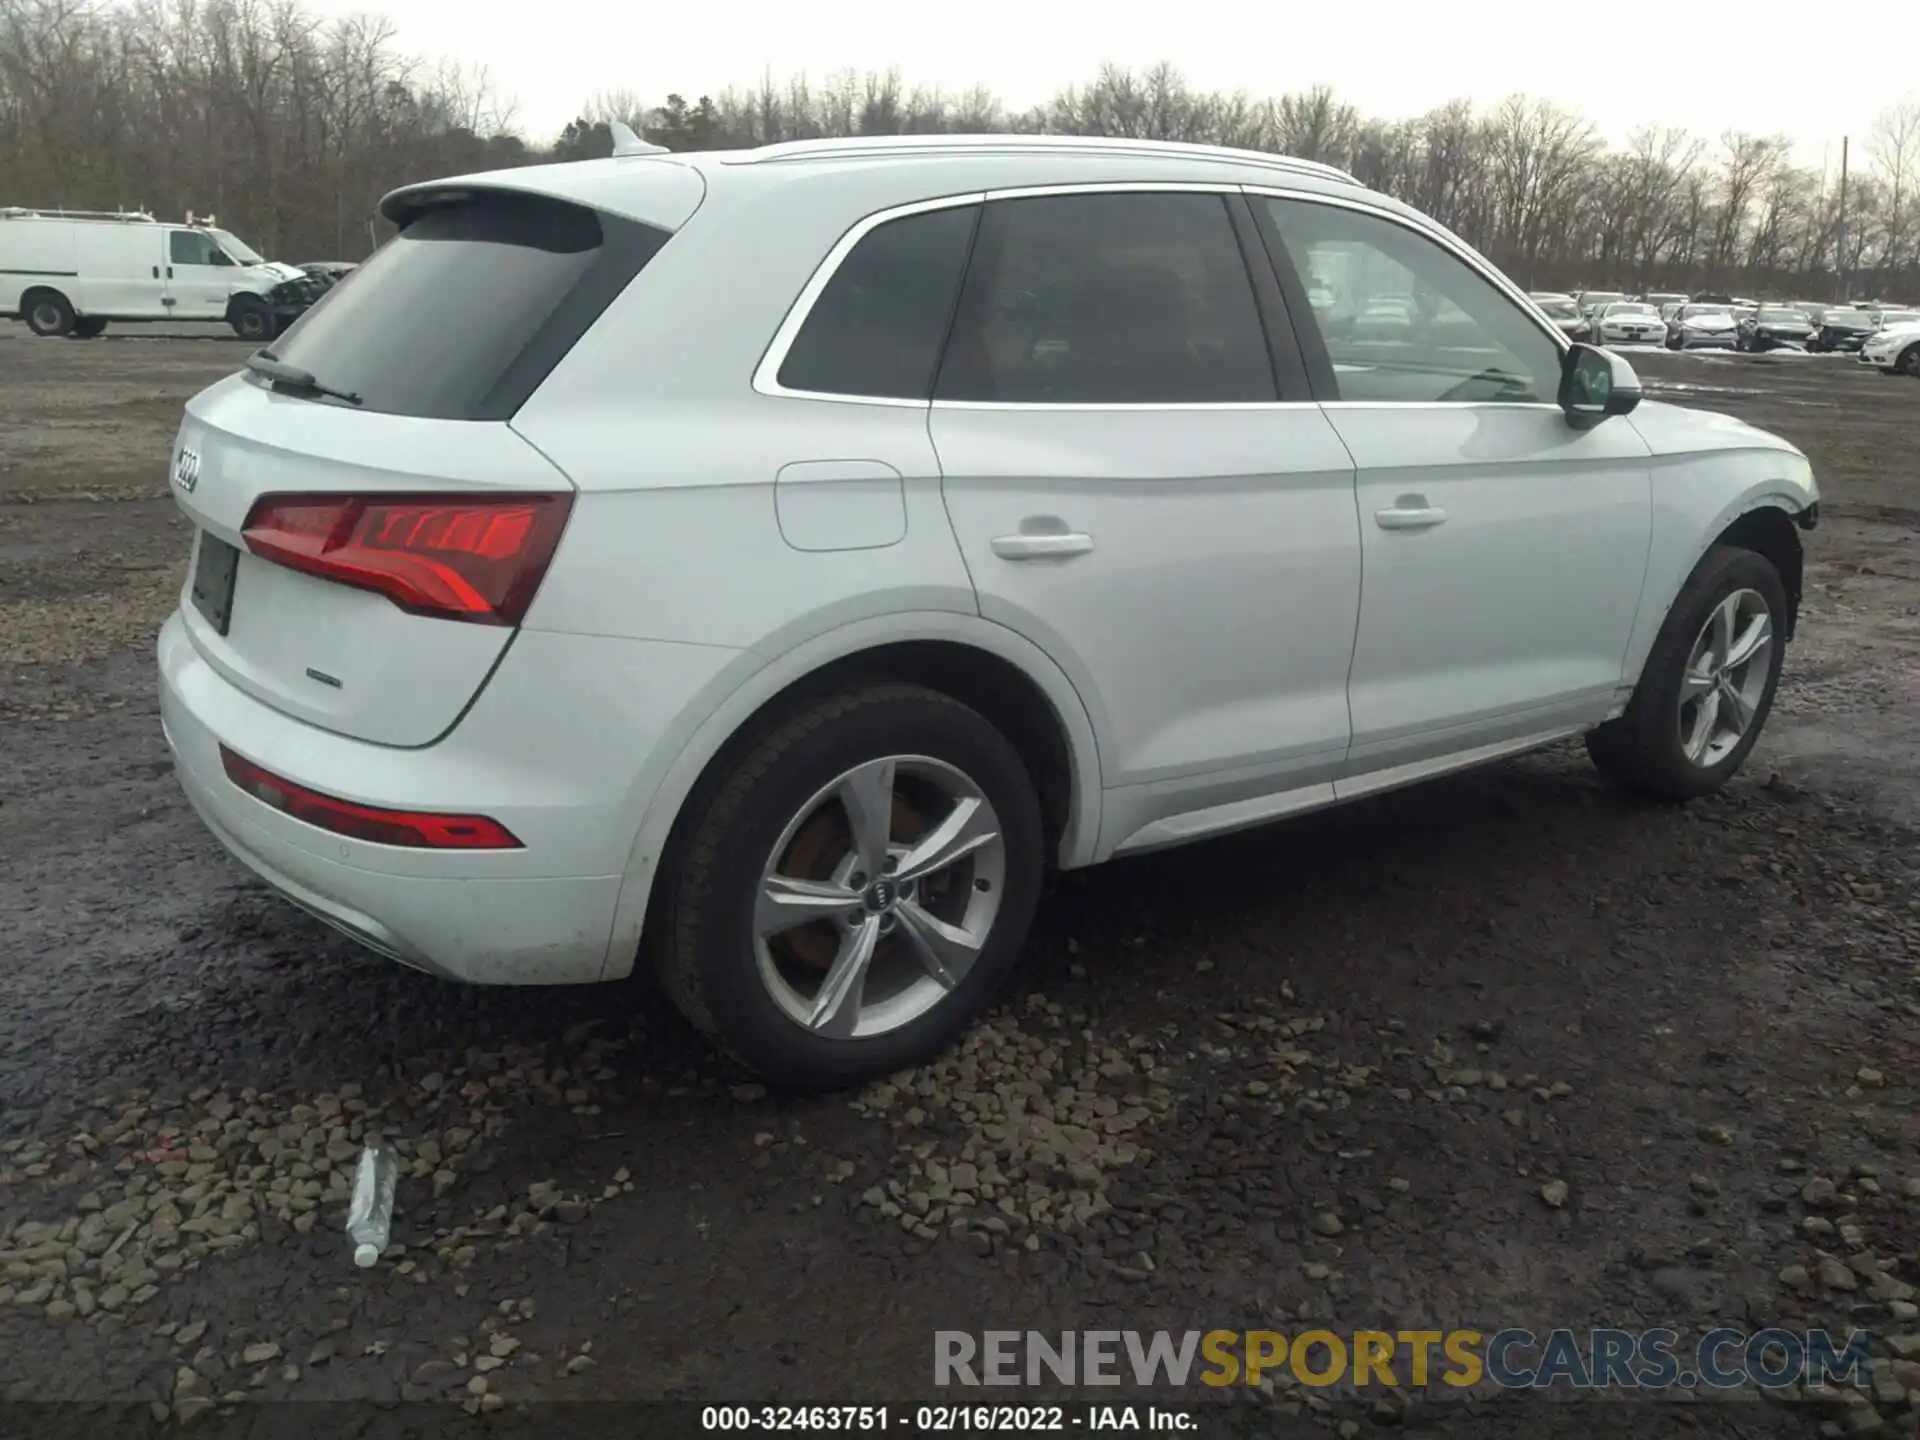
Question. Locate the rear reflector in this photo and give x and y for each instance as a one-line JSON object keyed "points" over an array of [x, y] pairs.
{"points": [[419, 830], [456, 557]]}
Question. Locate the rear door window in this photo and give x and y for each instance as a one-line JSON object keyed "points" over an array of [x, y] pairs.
{"points": [[463, 313], [877, 328], [1108, 299]]}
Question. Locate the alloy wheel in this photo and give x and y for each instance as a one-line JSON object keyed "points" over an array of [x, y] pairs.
{"points": [[1726, 678], [879, 896]]}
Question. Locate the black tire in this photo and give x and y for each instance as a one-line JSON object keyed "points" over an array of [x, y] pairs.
{"points": [[1909, 361], [252, 319], [1642, 749], [88, 328], [704, 947], [47, 313]]}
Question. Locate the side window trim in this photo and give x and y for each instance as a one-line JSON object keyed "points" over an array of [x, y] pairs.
{"points": [[1290, 375], [1309, 344], [766, 375], [1319, 363], [1292, 383]]}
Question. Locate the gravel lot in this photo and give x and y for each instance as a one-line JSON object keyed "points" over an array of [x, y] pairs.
{"points": [[1505, 1050]]}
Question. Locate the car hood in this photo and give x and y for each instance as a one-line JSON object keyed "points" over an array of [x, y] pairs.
{"points": [[1782, 325], [1676, 430]]}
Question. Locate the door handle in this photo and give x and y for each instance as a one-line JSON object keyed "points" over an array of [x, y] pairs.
{"points": [[156, 272], [1410, 512], [1054, 545]]}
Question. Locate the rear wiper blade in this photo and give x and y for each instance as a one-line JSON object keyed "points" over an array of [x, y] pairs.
{"points": [[294, 378]]}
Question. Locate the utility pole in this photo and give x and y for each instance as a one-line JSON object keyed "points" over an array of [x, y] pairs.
{"points": [[1840, 257]]}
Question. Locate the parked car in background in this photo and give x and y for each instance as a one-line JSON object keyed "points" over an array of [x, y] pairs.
{"points": [[1592, 302], [1564, 313], [1772, 327], [1697, 326], [1660, 299], [1628, 322], [1894, 349], [465, 664], [1841, 328], [72, 272]]}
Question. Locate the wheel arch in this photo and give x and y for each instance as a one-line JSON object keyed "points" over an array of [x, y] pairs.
{"points": [[1766, 518], [1773, 531], [987, 666], [28, 293]]}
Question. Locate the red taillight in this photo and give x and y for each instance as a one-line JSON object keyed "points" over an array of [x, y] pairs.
{"points": [[416, 829], [457, 557]]}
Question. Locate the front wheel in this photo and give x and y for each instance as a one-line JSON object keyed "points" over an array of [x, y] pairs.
{"points": [[1708, 683], [1909, 362], [851, 891], [252, 320]]}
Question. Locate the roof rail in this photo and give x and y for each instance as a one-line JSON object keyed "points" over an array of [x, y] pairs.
{"points": [[988, 144], [27, 212]]}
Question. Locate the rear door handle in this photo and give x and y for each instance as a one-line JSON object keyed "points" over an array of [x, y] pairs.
{"points": [[1059, 544], [1410, 512]]}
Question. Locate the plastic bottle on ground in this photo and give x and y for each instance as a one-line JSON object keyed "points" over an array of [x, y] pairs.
{"points": [[370, 1216]]}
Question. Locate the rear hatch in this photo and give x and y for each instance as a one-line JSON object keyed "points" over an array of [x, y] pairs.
{"points": [[369, 528]]}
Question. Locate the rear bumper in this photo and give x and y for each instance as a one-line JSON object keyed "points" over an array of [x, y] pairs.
{"points": [[541, 915]]}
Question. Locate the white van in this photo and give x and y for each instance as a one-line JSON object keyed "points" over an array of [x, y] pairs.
{"points": [[71, 271]]}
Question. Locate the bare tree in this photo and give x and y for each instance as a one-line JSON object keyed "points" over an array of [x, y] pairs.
{"points": [[290, 126]]}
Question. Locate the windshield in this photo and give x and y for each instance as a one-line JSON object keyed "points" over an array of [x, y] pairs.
{"points": [[242, 252], [1560, 309], [1631, 310], [1693, 311], [1781, 312], [1600, 297], [1899, 317]]}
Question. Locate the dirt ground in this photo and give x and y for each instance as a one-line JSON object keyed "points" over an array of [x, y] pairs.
{"points": [[1349, 1062]]}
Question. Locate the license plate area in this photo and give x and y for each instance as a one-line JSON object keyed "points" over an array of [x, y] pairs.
{"points": [[213, 574]]}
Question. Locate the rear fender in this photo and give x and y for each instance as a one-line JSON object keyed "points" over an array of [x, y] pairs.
{"points": [[740, 691]]}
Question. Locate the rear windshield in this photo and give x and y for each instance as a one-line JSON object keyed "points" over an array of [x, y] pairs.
{"points": [[462, 314]]}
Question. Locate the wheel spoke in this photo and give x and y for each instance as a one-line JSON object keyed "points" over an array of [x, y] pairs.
{"points": [[946, 951], [836, 1008], [1694, 684], [1735, 710], [968, 826], [1704, 721], [786, 902], [1751, 642], [866, 794], [1723, 618]]}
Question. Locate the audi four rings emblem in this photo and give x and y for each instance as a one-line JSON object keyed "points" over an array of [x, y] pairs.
{"points": [[186, 470]]}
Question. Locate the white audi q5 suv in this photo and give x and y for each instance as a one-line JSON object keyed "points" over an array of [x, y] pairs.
{"points": [[765, 565]]}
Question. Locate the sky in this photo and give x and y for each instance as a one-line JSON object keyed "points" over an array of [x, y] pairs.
{"points": [[1707, 65]]}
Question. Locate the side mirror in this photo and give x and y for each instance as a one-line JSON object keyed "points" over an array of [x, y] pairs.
{"points": [[1596, 384]]}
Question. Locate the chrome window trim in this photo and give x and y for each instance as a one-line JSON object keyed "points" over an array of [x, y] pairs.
{"points": [[766, 373]]}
